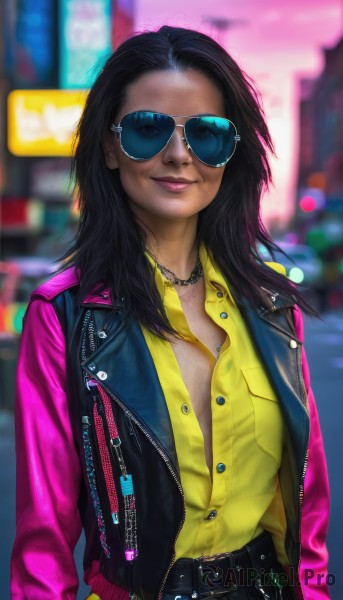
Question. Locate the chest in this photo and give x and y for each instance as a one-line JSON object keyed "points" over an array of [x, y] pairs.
{"points": [[198, 353], [197, 357]]}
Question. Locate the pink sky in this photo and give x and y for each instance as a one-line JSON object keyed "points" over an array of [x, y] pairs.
{"points": [[276, 43]]}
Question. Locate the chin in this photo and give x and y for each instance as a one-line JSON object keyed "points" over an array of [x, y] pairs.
{"points": [[168, 213]]}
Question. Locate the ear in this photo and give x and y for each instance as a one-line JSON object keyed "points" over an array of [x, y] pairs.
{"points": [[111, 149]]}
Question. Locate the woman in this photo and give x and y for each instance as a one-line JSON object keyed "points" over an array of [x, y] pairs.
{"points": [[163, 394]]}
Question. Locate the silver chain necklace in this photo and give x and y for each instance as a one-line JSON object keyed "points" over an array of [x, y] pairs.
{"points": [[195, 275]]}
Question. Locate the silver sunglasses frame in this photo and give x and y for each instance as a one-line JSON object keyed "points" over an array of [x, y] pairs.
{"points": [[118, 130]]}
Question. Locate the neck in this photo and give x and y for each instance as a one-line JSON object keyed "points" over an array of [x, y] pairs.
{"points": [[174, 246]]}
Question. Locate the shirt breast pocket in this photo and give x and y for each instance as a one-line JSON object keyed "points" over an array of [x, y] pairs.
{"points": [[269, 432]]}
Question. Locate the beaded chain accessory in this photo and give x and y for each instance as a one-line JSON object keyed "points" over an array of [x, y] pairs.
{"points": [[92, 484], [126, 485], [106, 465]]}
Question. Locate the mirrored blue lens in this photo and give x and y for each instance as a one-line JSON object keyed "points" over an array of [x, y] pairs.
{"points": [[144, 134], [212, 139]]}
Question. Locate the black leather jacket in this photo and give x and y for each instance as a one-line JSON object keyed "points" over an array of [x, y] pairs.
{"points": [[119, 361]]}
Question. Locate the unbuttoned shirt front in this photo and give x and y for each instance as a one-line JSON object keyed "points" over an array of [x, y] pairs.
{"points": [[243, 497]]}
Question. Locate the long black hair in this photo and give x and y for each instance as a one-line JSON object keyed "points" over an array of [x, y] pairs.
{"points": [[109, 247]]}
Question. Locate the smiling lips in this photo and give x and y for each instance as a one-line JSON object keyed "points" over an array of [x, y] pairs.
{"points": [[173, 184]]}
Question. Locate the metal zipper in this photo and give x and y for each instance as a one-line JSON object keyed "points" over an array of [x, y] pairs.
{"points": [[91, 334], [301, 501], [301, 379], [170, 467], [302, 481]]}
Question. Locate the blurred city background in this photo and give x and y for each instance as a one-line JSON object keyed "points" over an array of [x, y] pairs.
{"points": [[51, 52]]}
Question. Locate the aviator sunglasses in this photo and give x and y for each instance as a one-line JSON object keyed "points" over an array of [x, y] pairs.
{"points": [[143, 134]]}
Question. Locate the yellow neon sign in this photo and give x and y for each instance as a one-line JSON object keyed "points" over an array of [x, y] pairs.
{"points": [[43, 122]]}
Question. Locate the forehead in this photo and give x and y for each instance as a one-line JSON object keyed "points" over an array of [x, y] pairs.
{"points": [[176, 92]]}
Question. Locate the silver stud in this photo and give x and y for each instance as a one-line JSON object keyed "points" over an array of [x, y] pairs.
{"points": [[102, 334], [263, 557], [293, 344], [102, 375], [238, 568], [92, 367], [273, 298]]}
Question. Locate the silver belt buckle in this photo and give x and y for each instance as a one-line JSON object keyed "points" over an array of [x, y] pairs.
{"points": [[212, 571]]}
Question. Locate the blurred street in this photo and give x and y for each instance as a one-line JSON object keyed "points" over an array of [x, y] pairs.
{"points": [[324, 343]]}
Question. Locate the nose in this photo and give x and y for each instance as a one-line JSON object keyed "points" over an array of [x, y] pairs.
{"points": [[177, 149]]}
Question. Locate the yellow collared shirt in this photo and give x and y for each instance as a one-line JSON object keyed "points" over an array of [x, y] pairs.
{"points": [[243, 497]]}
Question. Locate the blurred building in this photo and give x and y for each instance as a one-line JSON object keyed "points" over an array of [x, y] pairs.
{"points": [[319, 216], [50, 53], [321, 132]]}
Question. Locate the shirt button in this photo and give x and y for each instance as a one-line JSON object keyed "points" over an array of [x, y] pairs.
{"points": [[220, 400], [293, 344], [221, 468], [223, 315], [220, 294], [185, 409], [211, 515]]}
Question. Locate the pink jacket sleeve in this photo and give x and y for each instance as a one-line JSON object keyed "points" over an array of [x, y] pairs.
{"points": [[48, 468], [315, 513]]}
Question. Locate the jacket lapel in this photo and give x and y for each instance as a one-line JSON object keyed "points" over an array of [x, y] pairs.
{"points": [[123, 365]]}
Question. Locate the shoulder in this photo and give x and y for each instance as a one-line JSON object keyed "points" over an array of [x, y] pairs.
{"points": [[57, 284], [43, 314]]}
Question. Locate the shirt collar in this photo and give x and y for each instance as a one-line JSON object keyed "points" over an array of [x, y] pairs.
{"points": [[161, 282], [214, 279]]}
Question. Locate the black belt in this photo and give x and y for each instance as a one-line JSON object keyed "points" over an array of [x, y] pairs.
{"points": [[254, 565]]}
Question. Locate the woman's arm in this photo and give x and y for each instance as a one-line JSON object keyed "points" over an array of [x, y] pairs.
{"points": [[48, 467], [315, 513]]}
